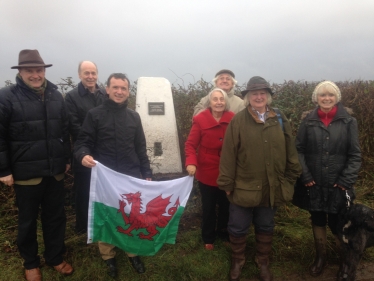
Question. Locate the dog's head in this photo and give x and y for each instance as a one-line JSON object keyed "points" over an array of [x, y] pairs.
{"points": [[360, 216]]}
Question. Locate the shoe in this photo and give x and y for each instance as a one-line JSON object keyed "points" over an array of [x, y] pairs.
{"points": [[64, 268], [33, 274], [137, 264], [209, 247], [112, 269]]}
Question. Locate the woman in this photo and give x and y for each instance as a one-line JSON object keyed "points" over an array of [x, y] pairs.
{"points": [[206, 138], [258, 169], [329, 153]]}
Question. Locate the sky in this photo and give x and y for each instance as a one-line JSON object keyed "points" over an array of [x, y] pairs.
{"points": [[186, 40]]}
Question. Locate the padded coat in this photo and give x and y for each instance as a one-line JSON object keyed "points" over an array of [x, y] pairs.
{"points": [[34, 137], [328, 155]]}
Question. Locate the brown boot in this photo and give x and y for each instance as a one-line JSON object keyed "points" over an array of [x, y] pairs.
{"points": [[237, 256], [263, 250], [319, 264], [33, 274]]}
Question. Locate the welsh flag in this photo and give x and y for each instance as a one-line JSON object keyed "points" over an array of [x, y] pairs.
{"points": [[137, 216]]}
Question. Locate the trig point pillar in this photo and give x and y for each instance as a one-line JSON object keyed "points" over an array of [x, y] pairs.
{"points": [[154, 103]]}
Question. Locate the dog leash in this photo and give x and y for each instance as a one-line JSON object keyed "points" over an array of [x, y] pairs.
{"points": [[348, 203]]}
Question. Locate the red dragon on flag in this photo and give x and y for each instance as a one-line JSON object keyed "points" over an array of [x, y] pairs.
{"points": [[153, 217]]}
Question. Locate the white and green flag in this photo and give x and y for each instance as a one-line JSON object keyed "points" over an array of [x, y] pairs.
{"points": [[137, 216]]}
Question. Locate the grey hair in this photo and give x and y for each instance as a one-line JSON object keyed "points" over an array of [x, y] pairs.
{"points": [[214, 81], [225, 97], [329, 86], [246, 98], [80, 65]]}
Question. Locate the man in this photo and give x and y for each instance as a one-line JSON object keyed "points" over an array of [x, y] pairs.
{"points": [[113, 135], [225, 80], [79, 101], [34, 155]]}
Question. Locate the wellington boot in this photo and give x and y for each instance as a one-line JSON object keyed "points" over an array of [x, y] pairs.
{"points": [[263, 250], [237, 256], [320, 240]]}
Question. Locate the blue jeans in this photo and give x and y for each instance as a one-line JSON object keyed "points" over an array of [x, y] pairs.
{"points": [[241, 218]]}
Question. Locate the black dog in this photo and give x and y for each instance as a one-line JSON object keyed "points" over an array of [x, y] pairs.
{"points": [[356, 232]]}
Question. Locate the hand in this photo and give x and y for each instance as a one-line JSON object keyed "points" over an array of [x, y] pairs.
{"points": [[311, 183], [7, 180], [228, 193], [67, 168], [148, 179], [88, 161], [339, 186], [191, 169]]}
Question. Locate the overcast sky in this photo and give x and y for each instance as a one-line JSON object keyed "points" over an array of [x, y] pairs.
{"points": [[309, 40]]}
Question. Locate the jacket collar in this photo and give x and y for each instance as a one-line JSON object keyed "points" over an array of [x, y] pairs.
{"points": [[115, 106], [341, 113], [84, 91], [270, 113], [207, 120], [50, 86]]}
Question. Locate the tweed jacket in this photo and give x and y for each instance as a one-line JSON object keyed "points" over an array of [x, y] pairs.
{"points": [[259, 163]]}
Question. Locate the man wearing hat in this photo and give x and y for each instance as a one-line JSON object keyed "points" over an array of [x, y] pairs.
{"points": [[225, 80], [258, 169], [34, 155], [79, 101]]}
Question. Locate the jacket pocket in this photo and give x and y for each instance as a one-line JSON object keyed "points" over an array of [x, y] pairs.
{"points": [[286, 190], [248, 194]]}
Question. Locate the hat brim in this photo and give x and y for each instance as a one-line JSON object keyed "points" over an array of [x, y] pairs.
{"points": [[30, 65], [246, 91]]}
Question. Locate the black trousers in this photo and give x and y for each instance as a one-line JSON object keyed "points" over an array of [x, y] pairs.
{"points": [[213, 223], [322, 219], [82, 195], [50, 196]]}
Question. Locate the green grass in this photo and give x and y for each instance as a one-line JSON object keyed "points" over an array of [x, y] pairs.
{"points": [[293, 248]]}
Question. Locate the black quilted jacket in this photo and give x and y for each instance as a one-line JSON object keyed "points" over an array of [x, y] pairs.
{"points": [[34, 137], [328, 155]]}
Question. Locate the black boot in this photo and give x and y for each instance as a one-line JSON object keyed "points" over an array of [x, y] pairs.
{"points": [[137, 264], [320, 240], [112, 269]]}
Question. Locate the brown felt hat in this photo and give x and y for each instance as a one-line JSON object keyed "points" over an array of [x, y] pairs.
{"points": [[257, 83], [30, 58], [225, 71]]}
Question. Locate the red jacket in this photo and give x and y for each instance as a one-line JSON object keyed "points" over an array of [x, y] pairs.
{"points": [[204, 144]]}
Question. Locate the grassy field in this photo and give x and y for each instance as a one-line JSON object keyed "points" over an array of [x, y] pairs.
{"points": [[186, 260]]}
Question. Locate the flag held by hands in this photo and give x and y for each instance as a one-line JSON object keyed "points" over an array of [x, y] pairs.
{"points": [[135, 215]]}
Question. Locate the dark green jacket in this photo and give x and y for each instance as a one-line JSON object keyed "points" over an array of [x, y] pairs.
{"points": [[259, 162]]}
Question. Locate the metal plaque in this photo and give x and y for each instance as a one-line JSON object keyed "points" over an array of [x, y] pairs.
{"points": [[156, 108]]}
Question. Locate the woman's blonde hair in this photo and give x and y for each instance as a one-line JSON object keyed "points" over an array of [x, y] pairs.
{"points": [[246, 98], [328, 86]]}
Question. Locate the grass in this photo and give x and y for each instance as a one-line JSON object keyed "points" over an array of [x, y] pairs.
{"points": [[293, 247]]}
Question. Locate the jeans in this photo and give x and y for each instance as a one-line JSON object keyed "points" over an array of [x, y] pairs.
{"points": [[241, 218]]}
